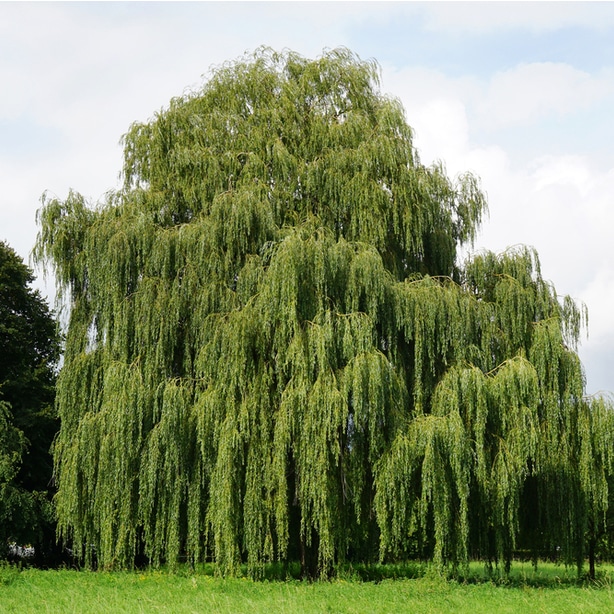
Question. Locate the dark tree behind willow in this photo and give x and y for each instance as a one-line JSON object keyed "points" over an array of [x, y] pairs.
{"points": [[272, 352], [29, 351]]}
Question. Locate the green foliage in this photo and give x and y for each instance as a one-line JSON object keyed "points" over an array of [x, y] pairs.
{"points": [[30, 349], [551, 588], [273, 352]]}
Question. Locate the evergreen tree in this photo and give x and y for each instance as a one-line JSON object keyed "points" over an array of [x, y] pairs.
{"points": [[273, 352]]}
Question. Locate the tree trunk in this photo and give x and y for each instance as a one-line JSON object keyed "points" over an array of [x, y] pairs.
{"points": [[591, 557], [309, 557]]}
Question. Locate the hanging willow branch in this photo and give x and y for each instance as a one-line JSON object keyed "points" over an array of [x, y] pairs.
{"points": [[273, 352]]}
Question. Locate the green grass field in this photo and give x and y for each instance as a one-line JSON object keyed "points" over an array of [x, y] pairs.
{"points": [[550, 589]]}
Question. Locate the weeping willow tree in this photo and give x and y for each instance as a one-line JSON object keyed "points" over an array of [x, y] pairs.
{"points": [[273, 354], [510, 453]]}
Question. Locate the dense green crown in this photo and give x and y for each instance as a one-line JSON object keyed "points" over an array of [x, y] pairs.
{"points": [[29, 351], [272, 350]]}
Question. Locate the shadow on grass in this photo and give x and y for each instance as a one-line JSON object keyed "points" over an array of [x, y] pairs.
{"points": [[525, 574], [522, 574]]}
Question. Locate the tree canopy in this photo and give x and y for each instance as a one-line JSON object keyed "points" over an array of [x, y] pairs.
{"points": [[273, 351], [30, 350]]}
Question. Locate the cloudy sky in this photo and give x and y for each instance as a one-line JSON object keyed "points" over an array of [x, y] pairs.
{"points": [[521, 94]]}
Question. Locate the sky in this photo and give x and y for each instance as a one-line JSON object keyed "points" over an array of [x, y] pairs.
{"points": [[520, 94]]}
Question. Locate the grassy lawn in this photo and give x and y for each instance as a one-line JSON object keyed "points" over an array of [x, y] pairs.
{"points": [[551, 589]]}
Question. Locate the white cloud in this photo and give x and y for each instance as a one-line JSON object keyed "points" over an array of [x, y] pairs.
{"points": [[599, 296], [477, 17], [564, 171], [442, 130], [530, 92]]}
